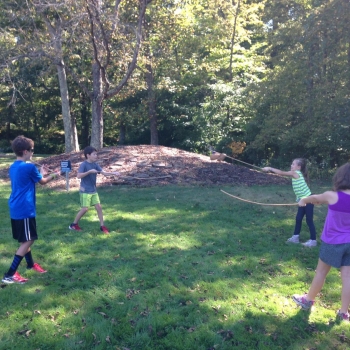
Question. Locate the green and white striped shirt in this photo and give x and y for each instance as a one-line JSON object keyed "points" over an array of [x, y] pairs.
{"points": [[300, 187]]}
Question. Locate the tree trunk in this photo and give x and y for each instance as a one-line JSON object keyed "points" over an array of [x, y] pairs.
{"points": [[102, 60], [122, 134], [69, 124], [97, 110], [8, 123], [70, 129], [232, 43], [310, 82], [348, 52], [85, 125], [152, 115]]}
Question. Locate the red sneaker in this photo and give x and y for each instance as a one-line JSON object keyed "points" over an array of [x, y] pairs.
{"points": [[17, 278], [104, 229], [36, 267], [75, 227]]}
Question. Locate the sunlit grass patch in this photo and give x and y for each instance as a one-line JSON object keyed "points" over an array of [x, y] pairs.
{"points": [[183, 268]]}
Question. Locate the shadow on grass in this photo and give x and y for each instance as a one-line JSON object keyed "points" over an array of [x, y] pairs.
{"points": [[181, 269]]}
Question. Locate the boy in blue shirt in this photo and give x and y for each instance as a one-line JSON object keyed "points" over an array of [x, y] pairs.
{"points": [[22, 204], [87, 172]]}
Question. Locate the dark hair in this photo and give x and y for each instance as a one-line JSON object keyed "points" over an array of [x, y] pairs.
{"points": [[303, 168], [89, 150], [21, 144], [341, 179]]}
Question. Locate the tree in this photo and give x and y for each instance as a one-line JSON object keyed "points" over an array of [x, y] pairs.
{"points": [[105, 33], [301, 107], [102, 30], [28, 23]]}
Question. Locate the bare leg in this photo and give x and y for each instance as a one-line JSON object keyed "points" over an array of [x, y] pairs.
{"points": [[24, 248], [80, 214], [345, 294], [99, 213], [318, 281]]}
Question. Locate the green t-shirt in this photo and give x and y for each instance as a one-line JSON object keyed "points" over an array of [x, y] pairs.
{"points": [[300, 187]]}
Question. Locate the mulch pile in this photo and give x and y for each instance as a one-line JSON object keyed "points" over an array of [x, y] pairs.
{"points": [[144, 166]]}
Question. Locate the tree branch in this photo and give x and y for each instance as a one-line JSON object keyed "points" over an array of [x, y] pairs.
{"points": [[132, 65]]}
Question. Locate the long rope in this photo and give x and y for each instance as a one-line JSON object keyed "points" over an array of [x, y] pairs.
{"points": [[247, 201], [212, 149], [145, 178], [241, 161], [46, 168]]}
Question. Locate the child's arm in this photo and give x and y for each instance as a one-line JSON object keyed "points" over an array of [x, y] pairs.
{"points": [[45, 180], [280, 172], [105, 173], [328, 197], [91, 171]]}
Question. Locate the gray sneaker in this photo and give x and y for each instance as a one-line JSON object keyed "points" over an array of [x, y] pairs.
{"points": [[310, 243], [301, 301], [293, 239], [342, 317]]}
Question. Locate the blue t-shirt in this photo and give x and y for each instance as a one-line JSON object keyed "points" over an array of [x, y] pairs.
{"points": [[23, 177]]}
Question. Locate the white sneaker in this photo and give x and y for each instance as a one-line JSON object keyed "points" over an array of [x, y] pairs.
{"points": [[293, 239], [310, 243]]}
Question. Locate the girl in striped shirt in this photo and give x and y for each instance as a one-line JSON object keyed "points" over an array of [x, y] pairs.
{"points": [[299, 174]]}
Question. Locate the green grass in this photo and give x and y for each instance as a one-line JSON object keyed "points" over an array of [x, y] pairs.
{"points": [[7, 159], [183, 268]]}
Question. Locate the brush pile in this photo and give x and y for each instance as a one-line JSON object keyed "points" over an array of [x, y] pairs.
{"points": [[146, 165]]}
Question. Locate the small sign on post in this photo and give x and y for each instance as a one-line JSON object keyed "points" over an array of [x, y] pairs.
{"points": [[66, 167]]}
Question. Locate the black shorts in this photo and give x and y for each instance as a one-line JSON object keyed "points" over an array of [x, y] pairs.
{"points": [[24, 229]]}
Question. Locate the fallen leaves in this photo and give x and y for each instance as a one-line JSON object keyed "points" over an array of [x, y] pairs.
{"points": [[25, 332], [226, 334], [168, 166], [343, 338], [131, 292], [216, 308]]}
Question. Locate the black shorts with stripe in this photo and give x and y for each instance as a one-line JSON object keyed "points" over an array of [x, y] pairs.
{"points": [[24, 229]]}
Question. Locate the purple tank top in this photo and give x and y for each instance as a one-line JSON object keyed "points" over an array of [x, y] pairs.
{"points": [[337, 225]]}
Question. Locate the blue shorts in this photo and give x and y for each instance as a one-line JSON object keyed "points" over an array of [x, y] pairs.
{"points": [[336, 255]]}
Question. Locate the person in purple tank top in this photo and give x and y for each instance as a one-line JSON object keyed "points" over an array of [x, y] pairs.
{"points": [[335, 246]]}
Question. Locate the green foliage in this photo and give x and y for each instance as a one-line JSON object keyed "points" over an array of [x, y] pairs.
{"points": [[301, 108], [273, 74]]}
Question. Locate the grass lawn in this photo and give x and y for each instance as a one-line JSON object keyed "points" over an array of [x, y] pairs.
{"points": [[183, 268], [6, 159]]}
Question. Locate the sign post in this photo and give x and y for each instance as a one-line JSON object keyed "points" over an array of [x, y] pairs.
{"points": [[66, 167]]}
